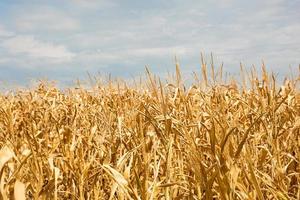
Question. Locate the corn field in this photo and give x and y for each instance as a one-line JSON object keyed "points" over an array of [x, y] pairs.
{"points": [[214, 139]]}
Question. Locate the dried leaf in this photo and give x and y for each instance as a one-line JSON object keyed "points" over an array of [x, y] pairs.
{"points": [[19, 191], [5, 155]]}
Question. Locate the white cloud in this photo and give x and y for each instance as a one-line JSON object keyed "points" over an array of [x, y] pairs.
{"points": [[158, 37], [135, 35], [122, 55], [34, 48], [4, 60], [159, 51], [44, 19], [4, 32], [90, 57], [93, 4]]}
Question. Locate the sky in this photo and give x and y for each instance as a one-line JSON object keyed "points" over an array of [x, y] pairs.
{"points": [[65, 39]]}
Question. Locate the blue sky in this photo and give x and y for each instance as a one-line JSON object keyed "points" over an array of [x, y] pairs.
{"points": [[62, 39]]}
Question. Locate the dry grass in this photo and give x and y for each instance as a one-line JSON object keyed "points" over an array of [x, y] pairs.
{"points": [[214, 140]]}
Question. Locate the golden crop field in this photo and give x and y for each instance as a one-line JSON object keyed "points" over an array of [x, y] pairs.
{"points": [[214, 139]]}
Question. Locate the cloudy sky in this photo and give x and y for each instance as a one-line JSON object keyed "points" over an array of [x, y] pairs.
{"points": [[65, 39]]}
